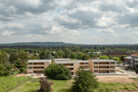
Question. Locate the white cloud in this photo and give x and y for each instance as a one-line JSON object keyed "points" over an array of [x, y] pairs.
{"points": [[29, 3], [7, 33], [77, 21]]}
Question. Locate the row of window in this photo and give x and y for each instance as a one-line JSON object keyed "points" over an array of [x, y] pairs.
{"points": [[35, 63], [35, 67], [104, 63], [68, 64], [103, 71], [84, 63], [104, 66]]}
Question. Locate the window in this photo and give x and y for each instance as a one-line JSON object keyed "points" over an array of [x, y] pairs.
{"points": [[86, 63], [71, 68], [81, 66], [95, 62], [103, 66], [72, 73], [38, 67], [38, 63], [68, 64], [112, 66], [30, 63], [95, 71], [82, 63], [112, 62], [95, 66], [86, 66], [29, 67], [112, 70], [103, 62]]}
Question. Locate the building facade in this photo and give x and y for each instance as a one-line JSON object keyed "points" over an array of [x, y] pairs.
{"points": [[132, 60], [95, 65], [103, 66]]}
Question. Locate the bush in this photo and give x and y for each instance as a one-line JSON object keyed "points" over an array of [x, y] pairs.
{"points": [[45, 85], [57, 72], [104, 57], [84, 82]]}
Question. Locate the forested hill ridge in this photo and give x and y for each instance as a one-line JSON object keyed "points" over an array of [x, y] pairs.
{"points": [[60, 44], [37, 44]]}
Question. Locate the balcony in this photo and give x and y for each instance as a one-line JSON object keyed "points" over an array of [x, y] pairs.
{"points": [[35, 65]]}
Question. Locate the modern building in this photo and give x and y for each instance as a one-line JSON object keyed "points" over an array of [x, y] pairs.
{"points": [[37, 66], [132, 60], [115, 53], [103, 66], [95, 65]]}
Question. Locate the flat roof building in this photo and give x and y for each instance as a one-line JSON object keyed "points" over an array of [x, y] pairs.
{"points": [[103, 66], [94, 65]]}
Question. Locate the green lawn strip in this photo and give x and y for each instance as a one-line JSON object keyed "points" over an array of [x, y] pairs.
{"points": [[30, 86], [109, 87], [61, 85], [8, 83], [65, 86]]}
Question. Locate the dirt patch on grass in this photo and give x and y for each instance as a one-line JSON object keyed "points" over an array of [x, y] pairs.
{"points": [[115, 79], [19, 75]]}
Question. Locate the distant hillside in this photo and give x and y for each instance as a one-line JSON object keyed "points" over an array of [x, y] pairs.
{"points": [[57, 44], [37, 44]]}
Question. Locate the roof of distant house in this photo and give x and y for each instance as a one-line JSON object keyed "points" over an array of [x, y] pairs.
{"points": [[129, 57], [135, 54]]}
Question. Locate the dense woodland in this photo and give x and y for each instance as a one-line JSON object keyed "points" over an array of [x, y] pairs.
{"points": [[14, 60]]}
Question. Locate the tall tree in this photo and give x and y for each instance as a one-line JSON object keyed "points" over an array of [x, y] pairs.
{"points": [[85, 81]]}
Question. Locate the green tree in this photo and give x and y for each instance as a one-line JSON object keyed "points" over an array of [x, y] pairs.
{"points": [[122, 57], [73, 56], [13, 57], [4, 58], [85, 81], [85, 57], [104, 57], [117, 59], [58, 72], [44, 55], [67, 53]]}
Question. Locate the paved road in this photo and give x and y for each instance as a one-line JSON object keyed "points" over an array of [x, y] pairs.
{"points": [[129, 72]]}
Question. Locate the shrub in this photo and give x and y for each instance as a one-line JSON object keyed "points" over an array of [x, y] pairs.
{"points": [[57, 72], [45, 85], [84, 82], [104, 57]]}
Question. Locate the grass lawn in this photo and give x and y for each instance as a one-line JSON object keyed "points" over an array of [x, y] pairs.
{"points": [[113, 87], [64, 86], [30, 86], [61, 85]]}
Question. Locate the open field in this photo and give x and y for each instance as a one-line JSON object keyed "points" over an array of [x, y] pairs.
{"points": [[115, 79], [8, 83], [65, 86], [29, 86]]}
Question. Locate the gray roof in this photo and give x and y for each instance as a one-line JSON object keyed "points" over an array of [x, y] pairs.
{"points": [[128, 57], [71, 61], [62, 59], [39, 60], [103, 60]]}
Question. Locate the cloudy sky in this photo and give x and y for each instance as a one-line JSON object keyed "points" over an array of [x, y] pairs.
{"points": [[71, 21]]}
